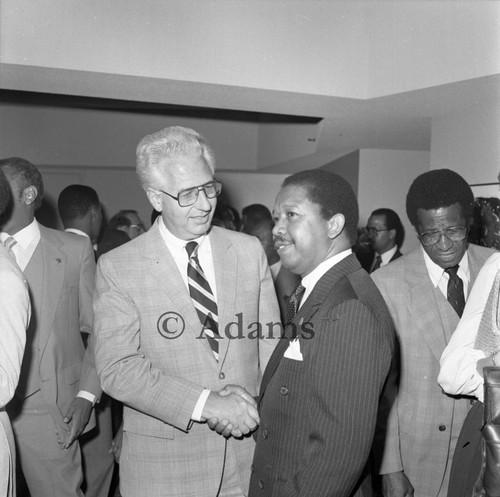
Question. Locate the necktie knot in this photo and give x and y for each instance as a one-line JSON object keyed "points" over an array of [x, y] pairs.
{"points": [[192, 249], [9, 242], [452, 271]]}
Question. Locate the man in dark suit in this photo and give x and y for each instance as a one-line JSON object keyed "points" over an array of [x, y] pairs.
{"points": [[258, 222], [58, 384], [320, 391], [386, 234]]}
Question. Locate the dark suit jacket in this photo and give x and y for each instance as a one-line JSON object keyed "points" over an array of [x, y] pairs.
{"points": [[318, 415]]}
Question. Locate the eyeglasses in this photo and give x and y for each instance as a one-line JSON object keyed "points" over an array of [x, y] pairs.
{"points": [[188, 197], [455, 234], [375, 231]]}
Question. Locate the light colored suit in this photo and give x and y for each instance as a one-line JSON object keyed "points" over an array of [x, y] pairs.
{"points": [[14, 318], [60, 277], [151, 356], [424, 422]]}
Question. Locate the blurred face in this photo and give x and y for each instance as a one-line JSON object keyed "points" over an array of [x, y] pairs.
{"points": [[193, 221], [301, 234], [136, 227], [265, 235], [381, 238], [445, 252]]}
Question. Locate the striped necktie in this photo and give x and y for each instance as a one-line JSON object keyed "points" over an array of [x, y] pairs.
{"points": [[203, 298], [377, 263], [9, 243]]}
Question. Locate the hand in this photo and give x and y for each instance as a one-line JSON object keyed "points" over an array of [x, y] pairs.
{"points": [[231, 412], [116, 444], [77, 417], [396, 485]]}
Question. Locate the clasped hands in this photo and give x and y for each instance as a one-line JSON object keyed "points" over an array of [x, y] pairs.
{"points": [[231, 411]]}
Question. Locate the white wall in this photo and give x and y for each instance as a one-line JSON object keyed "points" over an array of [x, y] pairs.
{"points": [[384, 179], [469, 143], [355, 49]]}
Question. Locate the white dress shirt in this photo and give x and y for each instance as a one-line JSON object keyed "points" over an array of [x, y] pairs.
{"points": [[439, 277], [387, 256], [177, 248], [27, 239], [458, 374]]}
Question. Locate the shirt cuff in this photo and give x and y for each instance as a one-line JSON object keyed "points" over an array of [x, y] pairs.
{"points": [[198, 408], [88, 396]]}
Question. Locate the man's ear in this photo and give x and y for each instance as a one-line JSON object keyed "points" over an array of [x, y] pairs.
{"points": [[155, 199], [336, 225], [30, 194]]}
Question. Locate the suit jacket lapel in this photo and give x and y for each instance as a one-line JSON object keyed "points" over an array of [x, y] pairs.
{"points": [[226, 272], [429, 304], [307, 312]]}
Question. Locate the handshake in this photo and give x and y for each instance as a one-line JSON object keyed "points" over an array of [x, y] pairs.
{"points": [[231, 411]]}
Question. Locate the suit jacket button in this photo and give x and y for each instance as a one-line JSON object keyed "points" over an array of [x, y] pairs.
{"points": [[261, 484], [221, 376], [284, 390], [442, 428], [265, 434]]}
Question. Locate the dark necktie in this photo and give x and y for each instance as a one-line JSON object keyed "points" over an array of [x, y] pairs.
{"points": [[455, 290], [203, 298], [378, 262], [293, 302]]}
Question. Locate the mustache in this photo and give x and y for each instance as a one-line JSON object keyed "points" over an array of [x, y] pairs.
{"points": [[280, 239]]}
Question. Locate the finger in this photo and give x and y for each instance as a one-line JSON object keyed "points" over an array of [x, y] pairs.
{"points": [[212, 423], [221, 426], [236, 433], [252, 411]]}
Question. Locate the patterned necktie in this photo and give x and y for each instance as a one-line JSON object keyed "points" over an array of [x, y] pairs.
{"points": [[455, 290], [378, 262], [203, 298], [9, 243], [293, 302]]}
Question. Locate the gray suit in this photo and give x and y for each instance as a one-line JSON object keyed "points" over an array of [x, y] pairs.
{"points": [[151, 356], [424, 422]]}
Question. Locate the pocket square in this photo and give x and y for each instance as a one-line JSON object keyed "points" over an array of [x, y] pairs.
{"points": [[293, 351]]}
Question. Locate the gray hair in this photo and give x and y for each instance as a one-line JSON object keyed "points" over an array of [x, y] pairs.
{"points": [[171, 143]]}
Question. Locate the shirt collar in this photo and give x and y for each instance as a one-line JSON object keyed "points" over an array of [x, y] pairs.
{"points": [[176, 243], [436, 272], [387, 256], [309, 281], [77, 232], [27, 235]]}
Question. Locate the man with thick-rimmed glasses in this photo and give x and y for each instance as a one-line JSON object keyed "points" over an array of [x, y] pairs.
{"points": [[425, 291], [178, 311]]}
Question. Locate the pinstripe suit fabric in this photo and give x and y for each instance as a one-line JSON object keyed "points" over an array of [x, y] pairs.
{"points": [[318, 415], [424, 422], [159, 379]]}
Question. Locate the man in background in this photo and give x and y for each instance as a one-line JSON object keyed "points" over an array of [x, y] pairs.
{"points": [[320, 392], [80, 211], [166, 306], [259, 222], [425, 291], [58, 385], [386, 234]]}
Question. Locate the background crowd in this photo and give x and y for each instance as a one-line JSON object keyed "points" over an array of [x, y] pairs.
{"points": [[273, 352]]}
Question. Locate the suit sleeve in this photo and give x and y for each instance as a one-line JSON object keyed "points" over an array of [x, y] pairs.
{"points": [[349, 357], [14, 319], [126, 373], [89, 381], [269, 312]]}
